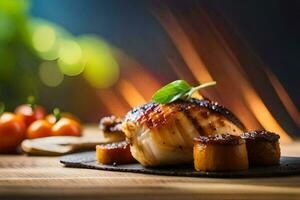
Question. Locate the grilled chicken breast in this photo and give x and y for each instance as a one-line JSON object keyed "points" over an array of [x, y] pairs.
{"points": [[162, 134]]}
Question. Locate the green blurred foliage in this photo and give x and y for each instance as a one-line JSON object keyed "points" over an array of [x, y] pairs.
{"points": [[17, 60], [41, 58]]}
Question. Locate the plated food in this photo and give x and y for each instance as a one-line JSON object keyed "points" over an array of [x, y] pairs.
{"points": [[220, 152], [162, 134], [112, 128], [114, 153], [175, 129], [262, 147], [117, 152]]}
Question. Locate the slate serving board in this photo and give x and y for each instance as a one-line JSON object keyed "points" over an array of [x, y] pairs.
{"points": [[288, 166]]}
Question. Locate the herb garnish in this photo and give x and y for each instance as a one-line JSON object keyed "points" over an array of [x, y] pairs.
{"points": [[179, 89]]}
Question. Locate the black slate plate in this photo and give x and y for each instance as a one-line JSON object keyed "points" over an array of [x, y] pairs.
{"points": [[288, 166]]}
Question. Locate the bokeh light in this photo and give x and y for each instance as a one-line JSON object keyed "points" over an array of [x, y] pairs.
{"points": [[88, 54], [43, 38], [50, 74], [70, 57], [101, 68], [46, 38]]}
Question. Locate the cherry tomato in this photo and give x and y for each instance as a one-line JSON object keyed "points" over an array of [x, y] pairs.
{"points": [[66, 127], [12, 132], [54, 125], [39, 128], [30, 114], [52, 119]]}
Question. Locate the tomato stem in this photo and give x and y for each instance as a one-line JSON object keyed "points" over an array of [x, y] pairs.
{"points": [[2, 108], [57, 114], [31, 101]]}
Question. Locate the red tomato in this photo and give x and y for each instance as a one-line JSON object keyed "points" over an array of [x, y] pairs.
{"points": [[66, 127], [51, 118], [12, 132], [30, 115], [39, 128], [56, 124]]}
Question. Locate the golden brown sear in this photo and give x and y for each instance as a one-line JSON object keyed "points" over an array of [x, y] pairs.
{"points": [[114, 153], [162, 134], [220, 152], [111, 127], [263, 147], [199, 112]]}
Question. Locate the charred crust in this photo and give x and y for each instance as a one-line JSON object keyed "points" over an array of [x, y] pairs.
{"points": [[224, 139], [145, 113], [111, 124], [137, 112], [217, 108], [261, 135], [114, 145], [194, 121]]}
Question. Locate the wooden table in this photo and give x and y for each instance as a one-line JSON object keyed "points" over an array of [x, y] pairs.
{"points": [[24, 177]]}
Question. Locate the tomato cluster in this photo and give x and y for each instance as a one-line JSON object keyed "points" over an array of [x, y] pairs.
{"points": [[56, 124], [31, 121]]}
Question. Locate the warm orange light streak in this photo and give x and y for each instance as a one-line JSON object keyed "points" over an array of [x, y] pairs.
{"points": [[185, 47], [129, 92], [197, 95], [262, 114], [138, 74], [284, 97], [251, 98], [231, 73], [178, 69], [145, 82], [112, 103], [182, 76]]}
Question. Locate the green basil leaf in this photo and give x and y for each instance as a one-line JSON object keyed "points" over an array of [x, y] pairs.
{"points": [[179, 89], [171, 92]]}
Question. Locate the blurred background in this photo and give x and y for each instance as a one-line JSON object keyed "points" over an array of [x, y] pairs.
{"points": [[95, 57]]}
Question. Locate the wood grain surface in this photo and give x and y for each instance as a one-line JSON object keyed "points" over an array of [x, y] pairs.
{"points": [[28, 177]]}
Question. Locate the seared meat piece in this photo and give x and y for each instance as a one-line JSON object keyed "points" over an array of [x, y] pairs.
{"points": [[112, 128], [114, 153], [220, 152], [263, 147], [162, 134]]}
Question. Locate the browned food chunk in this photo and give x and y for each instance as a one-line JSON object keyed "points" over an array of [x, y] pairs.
{"points": [[114, 153], [112, 128], [162, 134], [221, 152], [263, 147]]}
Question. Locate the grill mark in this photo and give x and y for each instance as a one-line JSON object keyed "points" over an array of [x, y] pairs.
{"points": [[194, 121], [215, 107], [143, 114]]}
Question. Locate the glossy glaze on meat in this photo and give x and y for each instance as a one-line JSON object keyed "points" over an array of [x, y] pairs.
{"points": [[162, 134], [222, 139], [220, 152], [155, 114], [263, 147]]}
